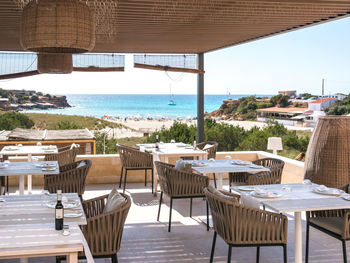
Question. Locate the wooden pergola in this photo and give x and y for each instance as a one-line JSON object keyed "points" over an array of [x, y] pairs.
{"points": [[185, 26]]}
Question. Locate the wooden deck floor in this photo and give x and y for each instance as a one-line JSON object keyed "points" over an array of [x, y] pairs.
{"points": [[146, 240]]}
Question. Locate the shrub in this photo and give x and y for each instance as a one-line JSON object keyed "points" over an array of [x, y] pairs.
{"points": [[12, 120], [67, 125]]}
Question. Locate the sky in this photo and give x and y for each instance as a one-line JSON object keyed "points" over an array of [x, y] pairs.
{"points": [[297, 60]]}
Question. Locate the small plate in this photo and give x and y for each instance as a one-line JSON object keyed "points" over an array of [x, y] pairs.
{"points": [[68, 204], [246, 188], [45, 165], [266, 195], [329, 191], [72, 214], [346, 197], [48, 169]]}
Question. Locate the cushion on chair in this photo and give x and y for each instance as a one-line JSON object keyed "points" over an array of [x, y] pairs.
{"points": [[333, 224], [183, 166], [114, 201], [214, 191], [207, 146], [81, 164]]}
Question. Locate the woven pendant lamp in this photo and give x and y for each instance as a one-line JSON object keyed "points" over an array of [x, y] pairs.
{"points": [[328, 154], [55, 63], [57, 26]]}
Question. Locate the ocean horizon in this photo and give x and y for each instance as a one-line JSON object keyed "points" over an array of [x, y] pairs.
{"points": [[139, 105]]}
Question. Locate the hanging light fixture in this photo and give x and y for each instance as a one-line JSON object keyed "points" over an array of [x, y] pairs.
{"points": [[58, 26], [56, 29]]}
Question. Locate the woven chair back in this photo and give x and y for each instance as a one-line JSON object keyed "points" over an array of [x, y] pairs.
{"points": [[240, 225], [66, 155], [211, 150], [327, 158], [178, 183], [104, 231], [274, 176], [71, 179], [134, 158]]}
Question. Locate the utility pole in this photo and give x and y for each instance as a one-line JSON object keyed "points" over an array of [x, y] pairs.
{"points": [[322, 94]]}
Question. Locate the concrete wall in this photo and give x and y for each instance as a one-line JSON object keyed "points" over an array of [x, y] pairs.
{"points": [[106, 168]]}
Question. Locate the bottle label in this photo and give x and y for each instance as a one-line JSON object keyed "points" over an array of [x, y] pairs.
{"points": [[59, 213]]}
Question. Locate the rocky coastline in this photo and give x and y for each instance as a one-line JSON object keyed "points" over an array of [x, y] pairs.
{"points": [[18, 100]]}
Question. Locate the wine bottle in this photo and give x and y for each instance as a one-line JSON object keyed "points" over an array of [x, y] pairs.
{"points": [[157, 142], [194, 142], [59, 211]]}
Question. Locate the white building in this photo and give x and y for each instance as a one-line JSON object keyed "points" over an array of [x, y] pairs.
{"points": [[319, 105]]}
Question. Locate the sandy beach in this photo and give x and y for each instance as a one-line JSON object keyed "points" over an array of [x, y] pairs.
{"points": [[139, 127]]}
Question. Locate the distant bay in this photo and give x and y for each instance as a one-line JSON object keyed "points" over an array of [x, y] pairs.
{"points": [[142, 106]]}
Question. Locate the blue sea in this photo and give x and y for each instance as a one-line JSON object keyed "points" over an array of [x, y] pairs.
{"points": [[143, 106]]}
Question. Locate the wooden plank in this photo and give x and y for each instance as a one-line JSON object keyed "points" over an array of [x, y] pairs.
{"points": [[166, 68]]}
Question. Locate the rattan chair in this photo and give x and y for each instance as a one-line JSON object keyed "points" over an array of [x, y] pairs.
{"points": [[242, 226], [4, 180], [211, 151], [66, 155], [134, 159], [335, 223], [103, 231], [274, 176], [178, 184], [71, 179]]}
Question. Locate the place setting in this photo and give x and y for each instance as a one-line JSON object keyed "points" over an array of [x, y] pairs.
{"points": [[71, 207], [324, 190], [47, 166]]}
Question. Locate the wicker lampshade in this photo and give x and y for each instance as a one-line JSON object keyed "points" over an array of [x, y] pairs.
{"points": [[57, 26], [55, 63], [328, 154]]}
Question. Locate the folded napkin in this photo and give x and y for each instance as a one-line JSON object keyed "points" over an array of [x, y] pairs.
{"points": [[198, 164], [325, 189], [263, 192]]}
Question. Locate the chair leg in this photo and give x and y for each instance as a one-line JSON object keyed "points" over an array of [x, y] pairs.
{"points": [[257, 254], [285, 253], [145, 177], [7, 185], [214, 180], [152, 180], [344, 251], [191, 199], [121, 177], [213, 248], [160, 204], [114, 258], [207, 206], [307, 243], [171, 208], [229, 253], [126, 171]]}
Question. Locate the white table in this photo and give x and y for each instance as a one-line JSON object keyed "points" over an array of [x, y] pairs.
{"points": [[31, 209], [168, 150], [24, 168], [40, 240], [26, 212], [295, 198], [29, 151], [221, 166]]}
